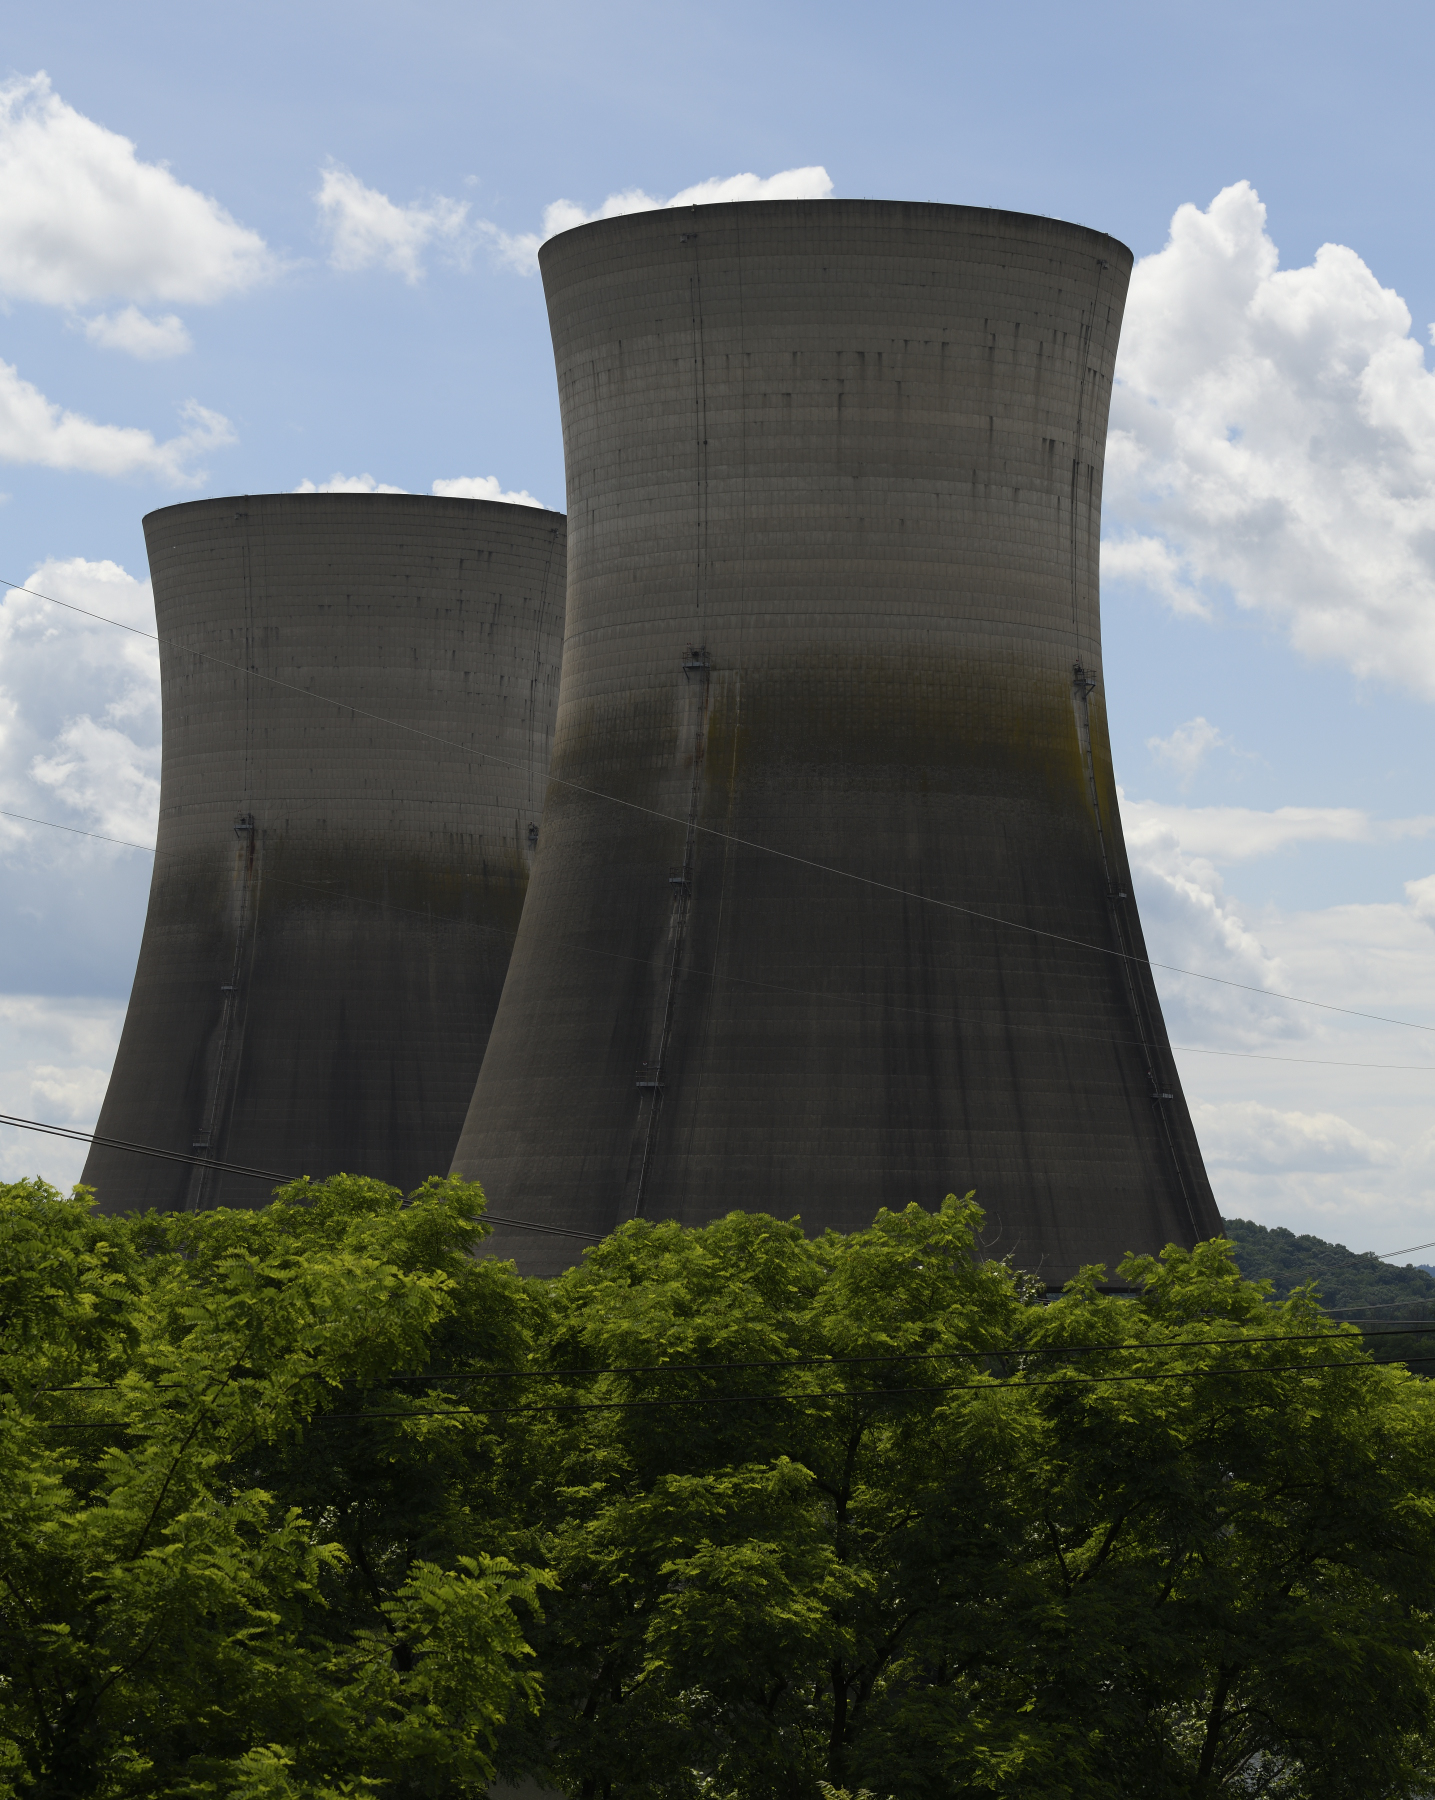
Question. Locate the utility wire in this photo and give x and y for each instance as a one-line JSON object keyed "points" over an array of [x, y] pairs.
{"points": [[710, 831], [70, 606], [75, 831], [713, 831], [324, 887], [937, 1387], [1335, 1312], [1385, 1255], [829, 994], [1309, 1062], [90, 1137], [209, 1162], [1139, 1345], [805, 1398], [742, 981], [592, 1237]]}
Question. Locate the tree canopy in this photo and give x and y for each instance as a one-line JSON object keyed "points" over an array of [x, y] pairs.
{"points": [[313, 1501], [173, 1618], [1354, 1284]]}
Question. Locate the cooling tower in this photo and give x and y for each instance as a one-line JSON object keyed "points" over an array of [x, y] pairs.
{"points": [[832, 907], [358, 695]]}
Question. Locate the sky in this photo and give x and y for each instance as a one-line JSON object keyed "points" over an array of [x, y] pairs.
{"points": [[296, 245]]}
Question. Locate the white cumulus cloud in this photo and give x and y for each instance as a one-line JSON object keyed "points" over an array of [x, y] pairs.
{"points": [[1152, 563], [1344, 954], [139, 335], [55, 1059], [1309, 1116], [1191, 922], [460, 487], [100, 772], [813, 183], [35, 430], [83, 219], [1273, 436], [1187, 747], [1421, 895], [1227, 834], [79, 705], [366, 228], [482, 487], [1253, 1136], [348, 484], [791, 184]]}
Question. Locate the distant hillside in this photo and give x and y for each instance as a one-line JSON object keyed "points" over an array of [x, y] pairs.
{"points": [[1353, 1284]]}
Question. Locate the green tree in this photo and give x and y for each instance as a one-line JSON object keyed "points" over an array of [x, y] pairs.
{"points": [[866, 1511], [314, 1502], [184, 1606], [1383, 1296]]}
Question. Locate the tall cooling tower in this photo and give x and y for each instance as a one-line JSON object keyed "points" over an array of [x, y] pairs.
{"points": [[832, 907], [358, 695]]}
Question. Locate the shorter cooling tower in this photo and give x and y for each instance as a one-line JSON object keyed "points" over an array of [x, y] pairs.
{"points": [[358, 694]]}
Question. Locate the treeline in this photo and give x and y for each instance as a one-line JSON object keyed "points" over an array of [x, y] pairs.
{"points": [[1385, 1298], [312, 1502]]}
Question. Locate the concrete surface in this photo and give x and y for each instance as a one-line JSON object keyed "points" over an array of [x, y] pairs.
{"points": [[834, 910], [334, 898]]}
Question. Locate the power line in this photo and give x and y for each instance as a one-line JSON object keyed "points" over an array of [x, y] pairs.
{"points": [[938, 1387], [210, 1162], [70, 606], [1385, 1255], [1308, 1062], [728, 837], [90, 1137], [1141, 1346], [741, 980], [801, 1397], [75, 830], [323, 887], [1380, 1306], [713, 831], [592, 1237]]}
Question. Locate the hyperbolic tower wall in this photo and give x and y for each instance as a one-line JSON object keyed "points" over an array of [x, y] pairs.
{"points": [[334, 898], [834, 482]]}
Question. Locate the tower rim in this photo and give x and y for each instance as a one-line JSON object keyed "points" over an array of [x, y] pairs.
{"points": [[1001, 220]]}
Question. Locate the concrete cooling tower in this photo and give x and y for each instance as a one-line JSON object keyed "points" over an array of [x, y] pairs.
{"points": [[832, 907], [358, 695]]}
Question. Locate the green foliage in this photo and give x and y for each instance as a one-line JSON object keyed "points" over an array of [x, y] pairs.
{"points": [[1356, 1284], [312, 1503], [1009, 1564], [177, 1614]]}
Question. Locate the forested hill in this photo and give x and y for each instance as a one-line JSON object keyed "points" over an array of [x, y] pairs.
{"points": [[1353, 1284]]}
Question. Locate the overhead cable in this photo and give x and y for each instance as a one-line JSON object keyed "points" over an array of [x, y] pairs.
{"points": [[856, 999], [210, 1162], [1385, 1255], [1137, 1345], [1140, 1346], [799, 1396], [936, 1387], [713, 831]]}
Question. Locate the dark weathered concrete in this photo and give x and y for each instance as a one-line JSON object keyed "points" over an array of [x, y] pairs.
{"points": [[834, 478], [334, 898]]}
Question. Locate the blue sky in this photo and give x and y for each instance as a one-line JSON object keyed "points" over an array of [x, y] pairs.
{"points": [[1269, 586]]}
